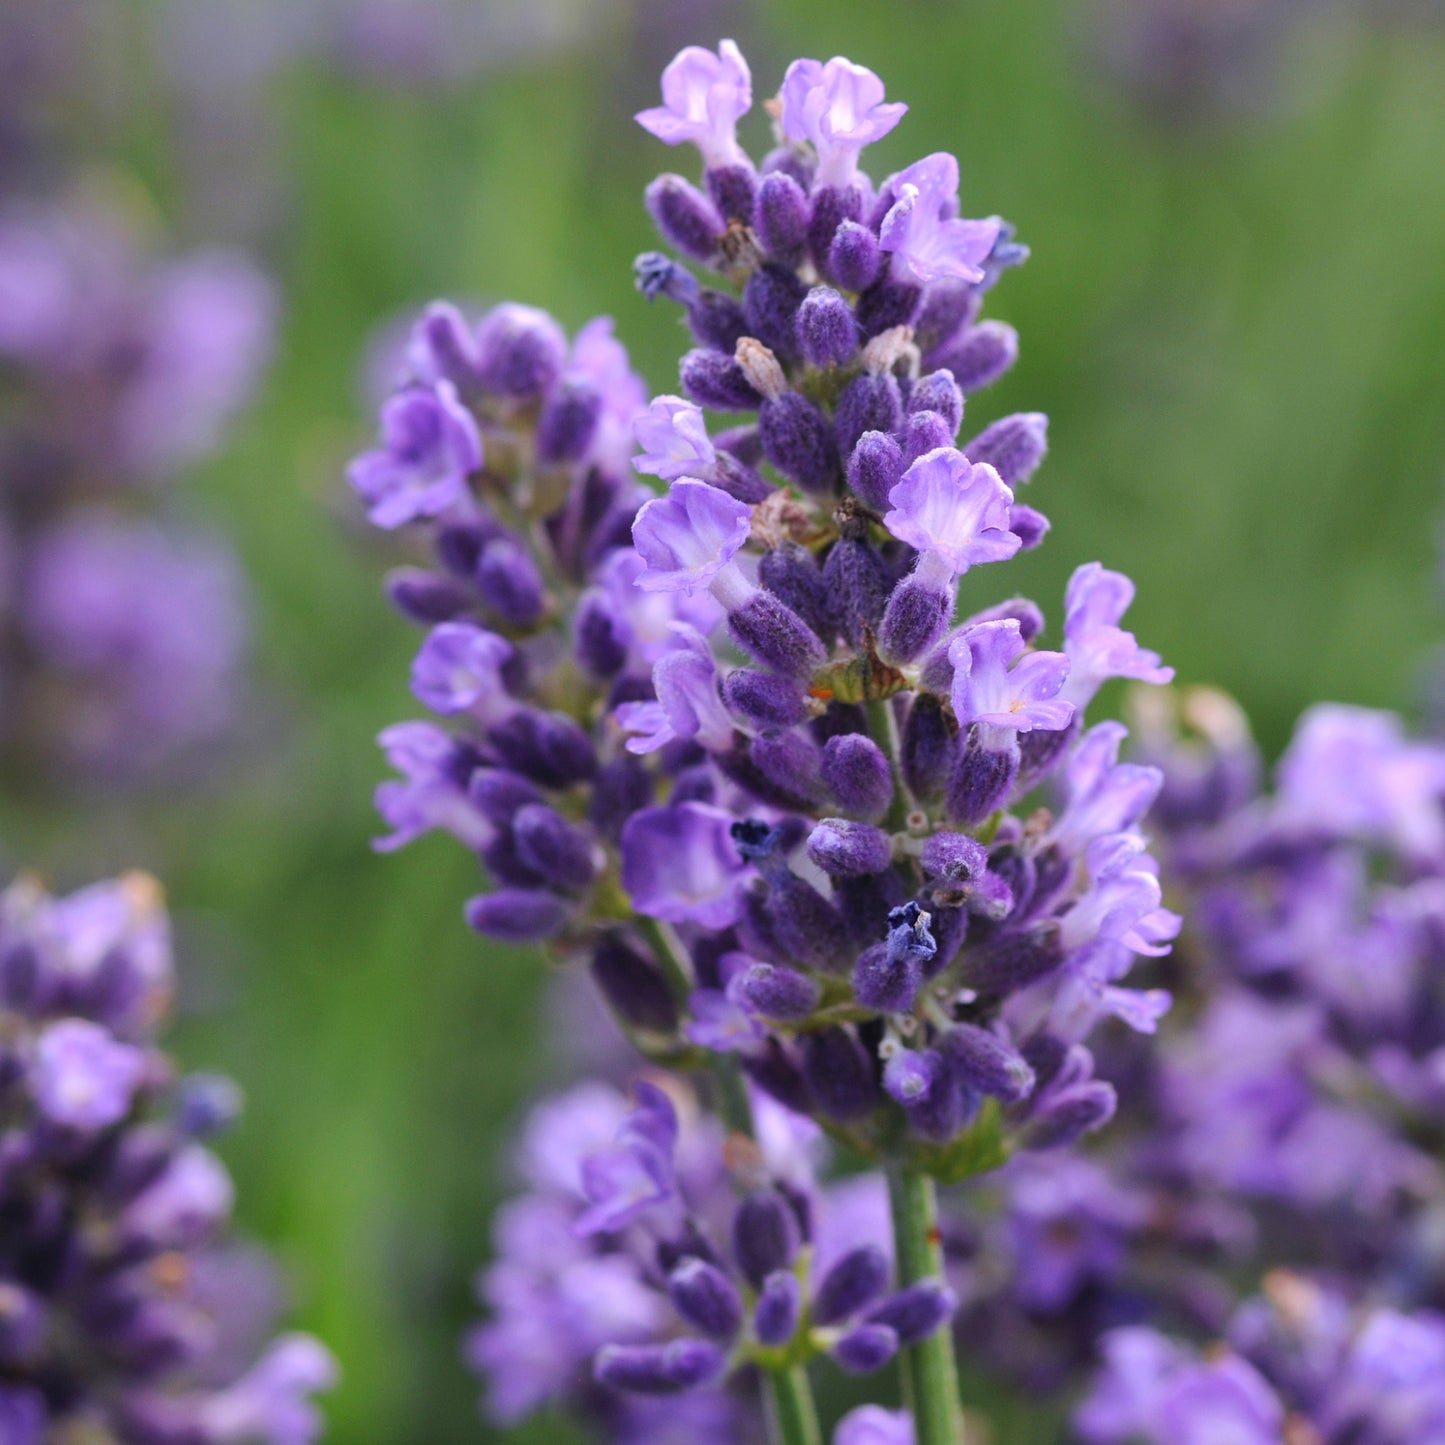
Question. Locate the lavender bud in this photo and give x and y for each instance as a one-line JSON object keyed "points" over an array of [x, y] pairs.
{"points": [[924, 432], [775, 993], [1041, 750], [510, 584], [863, 902], [774, 1071], [765, 699], [458, 548], [791, 575], [717, 381], [765, 1235], [948, 306], [916, 1312], [852, 1284], [734, 191], [518, 915], [1013, 446], [798, 441], [856, 770], [568, 421], [706, 1298], [888, 975], [927, 747], [886, 304], [207, 1105], [980, 356], [633, 985], [938, 392], [426, 597], [447, 339], [1013, 961], [854, 258], [1075, 1112], [658, 1369], [832, 205], [981, 779], [986, 1063], [684, 217], [929, 1092], [807, 926], [868, 403], [866, 1349], [916, 615], [775, 1320], [874, 468], [782, 218], [953, 857], [839, 1074], [1028, 525], [776, 636], [549, 747], [827, 334], [598, 639], [856, 579], [716, 320], [741, 443], [849, 850], [520, 351], [1027, 614], [498, 793], [771, 300]]}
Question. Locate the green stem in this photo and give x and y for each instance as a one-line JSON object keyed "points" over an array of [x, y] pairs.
{"points": [[792, 1416], [930, 1378]]}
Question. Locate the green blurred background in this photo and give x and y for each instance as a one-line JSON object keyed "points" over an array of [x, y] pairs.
{"points": [[1236, 324]]}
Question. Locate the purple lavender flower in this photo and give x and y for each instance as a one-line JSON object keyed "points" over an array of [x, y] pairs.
{"points": [[704, 96], [949, 510], [997, 684], [922, 230], [689, 537], [839, 108], [679, 864], [1097, 647]]}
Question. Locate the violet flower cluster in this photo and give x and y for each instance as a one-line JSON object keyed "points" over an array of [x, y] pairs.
{"points": [[122, 628], [126, 1314]]}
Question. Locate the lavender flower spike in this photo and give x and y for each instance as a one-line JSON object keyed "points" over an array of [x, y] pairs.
{"points": [[999, 685], [839, 107], [704, 96], [928, 241]]}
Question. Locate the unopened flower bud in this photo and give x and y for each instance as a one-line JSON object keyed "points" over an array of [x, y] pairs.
{"points": [[827, 334], [852, 1284], [980, 356], [779, 1307], [684, 217], [854, 258], [782, 215], [856, 770], [1013, 446]]}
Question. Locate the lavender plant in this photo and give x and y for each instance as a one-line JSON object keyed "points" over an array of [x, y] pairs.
{"points": [[729, 745], [127, 1315]]}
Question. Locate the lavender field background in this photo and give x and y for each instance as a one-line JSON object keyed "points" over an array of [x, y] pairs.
{"points": [[1234, 316]]}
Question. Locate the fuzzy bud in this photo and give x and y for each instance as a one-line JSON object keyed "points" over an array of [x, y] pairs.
{"points": [[839, 1074], [734, 191], [791, 575], [706, 1298], [916, 615], [938, 392], [856, 770], [568, 421], [986, 1063], [982, 777], [929, 1092], [518, 915], [782, 218], [874, 467], [1028, 524], [775, 992], [558, 852], [953, 857], [827, 334], [849, 850], [916, 1312], [633, 985], [798, 440], [765, 1235], [771, 300], [832, 205], [868, 403], [772, 632], [510, 584], [1070, 1115], [684, 217], [854, 258], [765, 699], [717, 381], [852, 1284], [426, 597], [857, 581], [866, 1349], [980, 356], [1013, 446], [928, 746], [779, 1307], [684, 1364]]}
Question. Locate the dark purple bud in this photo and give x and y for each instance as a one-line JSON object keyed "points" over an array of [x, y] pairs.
{"points": [[620, 789], [520, 351], [426, 597], [717, 381], [775, 1320], [548, 747], [939, 392], [568, 421], [986, 1063], [790, 160], [773, 1069], [774, 992], [458, 548], [498, 793], [1027, 614], [929, 739], [849, 850], [448, 339], [839, 1074], [765, 1235], [771, 300], [765, 699], [832, 205], [982, 777], [1071, 1114], [684, 217], [1046, 1054], [853, 258], [791, 575], [694, 785], [980, 356], [990, 897], [782, 217], [856, 769], [633, 985], [740, 480], [874, 468], [916, 1312], [865, 903], [599, 640], [738, 766], [670, 1369], [1013, 961], [506, 865], [857, 582], [866, 1349], [769, 630], [510, 584], [518, 915], [1013, 446], [741, 443], [915, 618], [716, 320], [924, 432], [929, 1092], [705, 1298], [1028, 525], [887, 303], [827, 334], [868, 403], [1041, 750], [948, 306], [798, 441], [555, 849], [734, 191], [852, 1284], [206, 1105], [806, 925], [953, 857]]}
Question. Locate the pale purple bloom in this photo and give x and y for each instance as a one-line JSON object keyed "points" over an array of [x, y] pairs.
{"points": [[430, 794], [679, 864], [873, 1425], [672, 434], [272, 1401], [647, 621], [948, 509], [430, 446], [84, 1078], [1097, 647], [636, 1172], [600, 359], [687, 705], [839, 107], [459, 669], [704, 96], [184, 1204], [1104, 795], [1122, 901], [719, 1024], [689, 536], [997, 683], [928, 240]]}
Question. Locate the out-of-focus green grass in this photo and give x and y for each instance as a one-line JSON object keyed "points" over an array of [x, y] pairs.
{"points": [[1239, 336]]}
